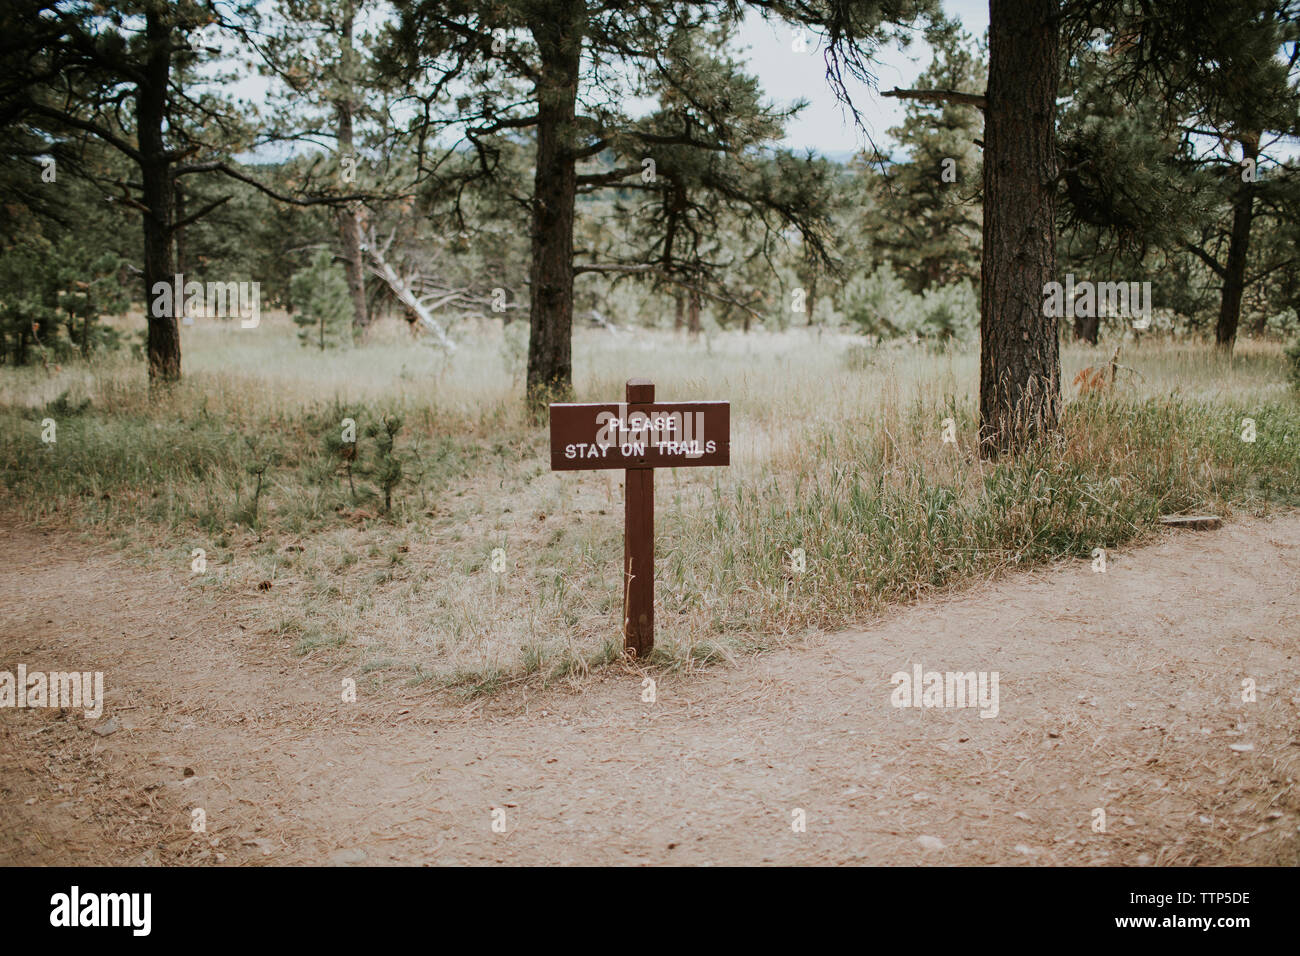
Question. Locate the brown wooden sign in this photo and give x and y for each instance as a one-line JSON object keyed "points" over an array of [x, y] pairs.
{"points": [[639, 436]]}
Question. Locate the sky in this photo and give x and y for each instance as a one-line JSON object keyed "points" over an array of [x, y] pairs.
{"points": [[825, 126], [785, 76]]}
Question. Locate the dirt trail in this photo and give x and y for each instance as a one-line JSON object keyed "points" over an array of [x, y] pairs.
{"points": [[1120, 691]]}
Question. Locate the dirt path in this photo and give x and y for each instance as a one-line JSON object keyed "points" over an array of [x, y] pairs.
{"points": [[1120, 691]]}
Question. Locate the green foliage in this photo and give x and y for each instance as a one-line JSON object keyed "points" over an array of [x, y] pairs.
{"points": [[875, 303], [1172, 125], [1293, 356], [53, 297], [385, 467], [340, 453], [29, 300], [924, 215], [251, 235], [1124, 184], [261, 456], [949, 313], [89, 286], [65, 407], [321, 294], [694, 191], [881, 305]]}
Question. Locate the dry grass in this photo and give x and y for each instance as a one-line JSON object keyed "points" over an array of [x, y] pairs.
{"points": [[836, 450]]}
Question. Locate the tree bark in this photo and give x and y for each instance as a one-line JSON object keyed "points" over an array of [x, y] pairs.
{"points": [[158, 193], [559, 40], [179, 237], [1020, 364], [349, 226], [1234, 271]]}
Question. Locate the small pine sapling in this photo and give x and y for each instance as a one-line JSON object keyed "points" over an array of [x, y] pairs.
{"points": [[321, 293], [387, 467]]}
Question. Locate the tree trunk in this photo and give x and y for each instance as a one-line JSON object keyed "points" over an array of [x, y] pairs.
{"points": [[1234, 271], [693, 314], [1020, 363], [350, 230], [550, 339], [349, 226], [679, 317], [164, 342], [180, 233]]}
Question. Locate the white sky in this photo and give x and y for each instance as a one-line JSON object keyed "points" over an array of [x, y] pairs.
{"points": [[785, 76], [824, 125]]}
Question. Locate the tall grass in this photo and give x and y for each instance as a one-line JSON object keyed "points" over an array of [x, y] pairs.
{"points": [[842, 496]]}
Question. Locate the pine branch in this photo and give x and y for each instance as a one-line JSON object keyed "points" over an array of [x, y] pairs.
{"points": [[220, 167], [941, 96], [189, 220], [1208, 259]]}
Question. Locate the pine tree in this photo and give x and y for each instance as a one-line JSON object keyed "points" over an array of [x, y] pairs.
{"points": [[126, 60], [1020, 366], [386, 465], [521, 63], [321, 296], [928, 206], [1172, 133], [132, 74], [332, 90]]}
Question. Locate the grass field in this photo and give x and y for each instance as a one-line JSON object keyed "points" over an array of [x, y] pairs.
{"points": [[837, 451]]}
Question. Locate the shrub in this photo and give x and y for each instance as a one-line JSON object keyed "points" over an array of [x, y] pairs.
{"points": [[880, 304], [322, 293]]}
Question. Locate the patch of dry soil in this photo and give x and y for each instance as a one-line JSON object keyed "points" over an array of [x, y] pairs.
{"points": [[1119, 691]]}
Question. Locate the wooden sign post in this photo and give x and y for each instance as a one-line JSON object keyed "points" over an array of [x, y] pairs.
{"points": [[639, 435]]}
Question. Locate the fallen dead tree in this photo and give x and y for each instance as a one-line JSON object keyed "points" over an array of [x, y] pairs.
{"points": [[401, 288]]}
